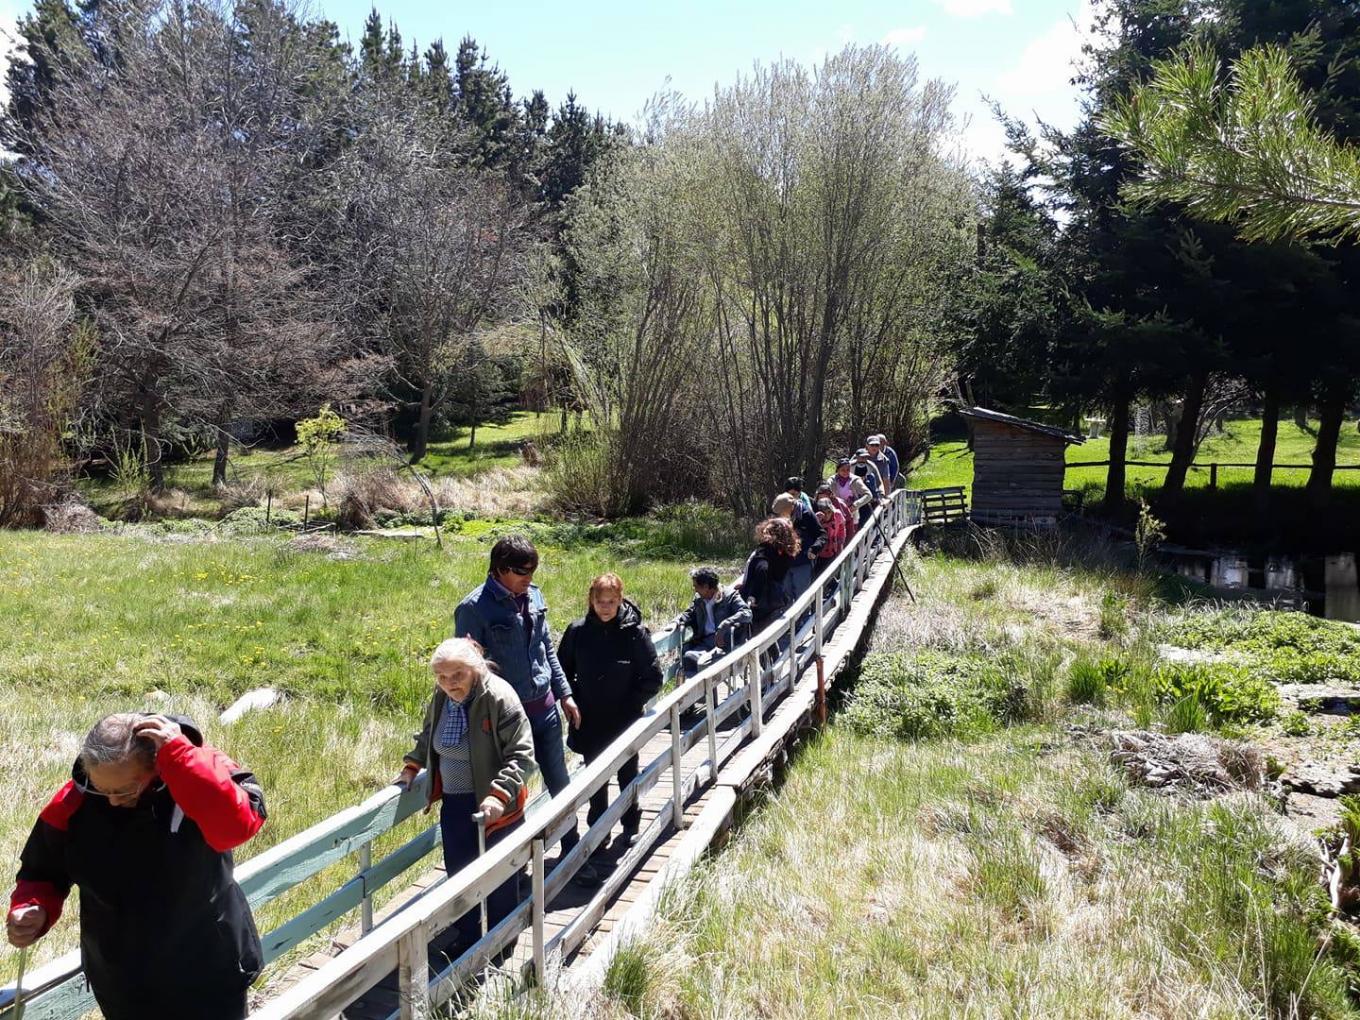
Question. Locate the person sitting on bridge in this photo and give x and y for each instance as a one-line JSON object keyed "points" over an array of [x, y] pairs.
{"points": [[477, 746], [508, 617], [716, 620], [609, 657], [145, 828]]}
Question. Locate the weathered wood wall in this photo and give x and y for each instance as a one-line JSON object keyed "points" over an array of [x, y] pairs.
{"points": [[1017, 474]]}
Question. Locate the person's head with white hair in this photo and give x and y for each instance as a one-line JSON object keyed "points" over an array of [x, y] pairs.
{"points": [[459, 667]]}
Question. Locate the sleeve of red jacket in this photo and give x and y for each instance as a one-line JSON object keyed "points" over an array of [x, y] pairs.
{"points": [[42, 879], [221, 798]]}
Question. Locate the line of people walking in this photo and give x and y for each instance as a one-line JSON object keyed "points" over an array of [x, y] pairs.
{"points": [[147, 822]]}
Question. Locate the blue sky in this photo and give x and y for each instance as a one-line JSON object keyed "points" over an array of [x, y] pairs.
{"points": [[616, 54]]}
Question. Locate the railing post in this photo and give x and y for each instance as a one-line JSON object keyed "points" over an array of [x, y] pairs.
{"points": [[755, 693], [366, 904], [413, 974], [793, 651], [710, 711], [818, 619], [539, 909], [1213, 475], [677, 774]]}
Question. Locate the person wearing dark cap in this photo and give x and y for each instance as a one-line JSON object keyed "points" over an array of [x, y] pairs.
{"points": [[874, 479], [869, 478], [874, 447]]}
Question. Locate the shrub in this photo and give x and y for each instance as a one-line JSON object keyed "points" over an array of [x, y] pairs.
{"points": [[1089, 680], [1227, 692], [930, 694], [581, 476], [1290, 647], [1114, 622]]}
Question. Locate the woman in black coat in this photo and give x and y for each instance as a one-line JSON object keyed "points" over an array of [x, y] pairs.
{"points": [[611, 664], [764, 585]]}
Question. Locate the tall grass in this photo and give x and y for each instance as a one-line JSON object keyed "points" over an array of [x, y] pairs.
{"points": [[994, 878]]}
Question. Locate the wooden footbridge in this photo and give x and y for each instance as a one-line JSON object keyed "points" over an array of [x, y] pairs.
{"points": [[701, 746]]}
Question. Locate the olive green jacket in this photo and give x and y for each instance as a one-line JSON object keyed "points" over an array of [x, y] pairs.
{"points": [[501, 744]]}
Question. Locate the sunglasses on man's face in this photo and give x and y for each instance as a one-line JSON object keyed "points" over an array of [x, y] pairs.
{"points": [[521, 571], [87, 788]]}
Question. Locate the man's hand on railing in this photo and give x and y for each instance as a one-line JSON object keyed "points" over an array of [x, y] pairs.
{"points": [[23, 925], [492, 808], [407, 775]]}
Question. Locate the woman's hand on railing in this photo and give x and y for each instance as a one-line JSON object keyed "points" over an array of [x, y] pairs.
{"points": [[407, 776]]}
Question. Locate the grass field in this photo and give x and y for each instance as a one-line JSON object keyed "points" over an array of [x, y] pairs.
{"points": [[148, 621], [951, 463], [998, 870]]}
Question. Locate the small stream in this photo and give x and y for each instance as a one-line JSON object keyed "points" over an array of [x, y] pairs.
{"points": [[1325, 586]]}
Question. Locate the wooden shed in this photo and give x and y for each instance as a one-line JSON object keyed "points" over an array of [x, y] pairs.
{"points": [[1017, 469]]}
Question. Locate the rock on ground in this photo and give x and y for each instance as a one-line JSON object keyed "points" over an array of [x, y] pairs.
{"points": [[261, 697], [1323, 779]]}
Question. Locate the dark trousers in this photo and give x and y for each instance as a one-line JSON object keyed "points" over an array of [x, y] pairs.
{"points": [[552, 760], [204, 1004], [459, 834], [599, 800]]}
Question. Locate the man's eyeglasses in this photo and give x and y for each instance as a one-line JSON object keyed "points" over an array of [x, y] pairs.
{"points": [[522, 571], [86, 788]]}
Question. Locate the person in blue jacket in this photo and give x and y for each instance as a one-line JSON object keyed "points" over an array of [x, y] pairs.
{"points": [[508, 617]]}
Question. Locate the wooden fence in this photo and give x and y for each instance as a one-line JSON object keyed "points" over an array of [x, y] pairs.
{"points": [[1212, 466], [751, 676]]}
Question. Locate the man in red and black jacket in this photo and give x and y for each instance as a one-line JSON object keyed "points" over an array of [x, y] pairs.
{"points": [[145, 828]]}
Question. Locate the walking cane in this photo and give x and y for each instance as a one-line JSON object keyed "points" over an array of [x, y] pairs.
{"points": [[480, 819], [19, 985]]}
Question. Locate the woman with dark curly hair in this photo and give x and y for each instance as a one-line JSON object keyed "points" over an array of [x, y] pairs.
{"points": [[763, 586]]}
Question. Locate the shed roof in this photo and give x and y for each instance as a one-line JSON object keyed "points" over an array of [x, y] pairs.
{"points": [[982, 414]]}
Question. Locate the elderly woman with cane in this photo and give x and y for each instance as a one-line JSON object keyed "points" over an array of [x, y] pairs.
{"points": [[477, 746], [145, 829]]}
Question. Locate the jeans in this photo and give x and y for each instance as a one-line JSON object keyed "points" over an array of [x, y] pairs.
{"points": [[599, 800], [551, 756], [459, 833], [698, 654], [800, 578]]}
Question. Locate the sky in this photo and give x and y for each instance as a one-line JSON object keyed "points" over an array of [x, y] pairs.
{"points": [[615, 54]]}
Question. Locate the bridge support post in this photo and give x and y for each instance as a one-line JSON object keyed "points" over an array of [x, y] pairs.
{"points": [[754, 691], [366, 905], [710, 709], [677, 773], [539, 909], [819, 619], [413, 974]]}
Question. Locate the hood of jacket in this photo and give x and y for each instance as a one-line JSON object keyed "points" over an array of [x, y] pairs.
{"points": [[629, 615]]}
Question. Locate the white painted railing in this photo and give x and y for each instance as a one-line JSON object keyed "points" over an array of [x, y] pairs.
{"points": [[722, 692]]}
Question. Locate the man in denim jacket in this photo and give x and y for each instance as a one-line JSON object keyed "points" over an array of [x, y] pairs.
{"points": [[508, 617]]}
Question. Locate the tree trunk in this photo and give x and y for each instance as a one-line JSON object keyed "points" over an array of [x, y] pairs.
{"points": [[151, 440], [420, 442], [563, 429], [472, 437], [1265, 453], [220, 461], [1183, 452], [1331, 415], [1119, 450], [1301, 417]]}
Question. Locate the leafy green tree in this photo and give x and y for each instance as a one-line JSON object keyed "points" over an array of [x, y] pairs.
{"points": [[320, 437]]}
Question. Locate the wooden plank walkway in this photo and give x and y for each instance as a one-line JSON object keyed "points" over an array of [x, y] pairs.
{"points": [[382, 1001]]}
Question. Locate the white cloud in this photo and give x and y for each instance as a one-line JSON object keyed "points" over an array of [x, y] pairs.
{"points": [[905, 38], [974, 8], [1038, 84]]}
